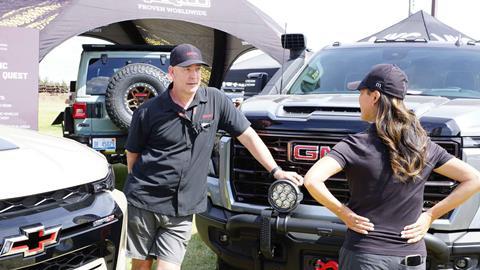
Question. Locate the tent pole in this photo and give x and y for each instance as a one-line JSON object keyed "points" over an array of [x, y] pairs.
{"points": [[219, 57], [434, 8]]}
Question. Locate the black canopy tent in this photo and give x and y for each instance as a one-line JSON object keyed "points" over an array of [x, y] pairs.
{"points": [[420, 25], [223, 30]]}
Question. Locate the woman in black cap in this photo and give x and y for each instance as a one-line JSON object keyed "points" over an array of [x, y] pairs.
{"points": [[387, 167]]}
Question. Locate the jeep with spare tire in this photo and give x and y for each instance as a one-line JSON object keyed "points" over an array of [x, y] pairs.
{"points": [[113, 80]]}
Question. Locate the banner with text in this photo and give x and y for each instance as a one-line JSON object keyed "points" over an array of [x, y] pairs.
{"points": [[19, 77]]}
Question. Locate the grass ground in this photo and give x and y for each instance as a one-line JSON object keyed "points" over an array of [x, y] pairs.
{"points": [[198, 257]]}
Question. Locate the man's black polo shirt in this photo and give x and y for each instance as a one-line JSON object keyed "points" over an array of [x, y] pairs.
{"points": [[170, 174]]}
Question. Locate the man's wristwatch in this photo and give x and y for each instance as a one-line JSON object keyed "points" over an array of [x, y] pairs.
{"points": [[274, 170]]}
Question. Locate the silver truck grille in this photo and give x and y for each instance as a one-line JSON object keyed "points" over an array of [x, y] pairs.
{"points": [[250, 181]]}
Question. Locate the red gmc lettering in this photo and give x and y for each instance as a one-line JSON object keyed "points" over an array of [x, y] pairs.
{"points": [[305, 152], [324, 150]]}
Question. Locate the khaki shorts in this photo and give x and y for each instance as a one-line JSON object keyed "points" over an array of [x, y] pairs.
{"points": [[152, 235]]}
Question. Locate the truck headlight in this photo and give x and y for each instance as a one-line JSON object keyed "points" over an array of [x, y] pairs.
{"points": [[284, 196], [107, 183]]}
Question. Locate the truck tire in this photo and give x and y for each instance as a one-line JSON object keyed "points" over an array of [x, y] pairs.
{"points": [[129, 88]]}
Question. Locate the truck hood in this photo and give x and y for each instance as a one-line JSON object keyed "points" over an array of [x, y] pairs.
{"points": [[340, 113], [32, 163]]}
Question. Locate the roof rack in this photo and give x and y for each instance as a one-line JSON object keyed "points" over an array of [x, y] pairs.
{"points": [[127, 47], [473, 42], [384, 40], [336, 43]]}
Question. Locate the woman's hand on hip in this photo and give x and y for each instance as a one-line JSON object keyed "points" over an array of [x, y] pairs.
{"points": [[416, 231], [356, 223]]}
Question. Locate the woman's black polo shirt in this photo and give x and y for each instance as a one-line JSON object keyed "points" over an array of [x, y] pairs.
{"points": [[376, 194], [171, 173]]}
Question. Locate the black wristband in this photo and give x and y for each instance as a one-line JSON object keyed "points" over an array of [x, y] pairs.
{"points": [[274, 170]]}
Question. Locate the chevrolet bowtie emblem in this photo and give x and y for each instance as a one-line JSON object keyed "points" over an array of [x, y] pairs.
{"points": [[32, 240]]}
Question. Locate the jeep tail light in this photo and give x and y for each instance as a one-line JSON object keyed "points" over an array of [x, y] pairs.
{"points": [[79, 110]]}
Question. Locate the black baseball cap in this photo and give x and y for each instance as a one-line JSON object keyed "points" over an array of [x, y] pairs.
{"points": [[386, 78], [184, 55]]}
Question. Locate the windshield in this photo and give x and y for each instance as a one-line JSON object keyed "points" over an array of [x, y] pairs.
{"points": [[100, 72], [450, 72]]}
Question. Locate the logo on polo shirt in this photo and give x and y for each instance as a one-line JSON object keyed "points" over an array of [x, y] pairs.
{"points": [[208, 116], [302, 152]]}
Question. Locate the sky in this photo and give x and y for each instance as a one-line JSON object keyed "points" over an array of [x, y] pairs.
{"points": [[322, 21]]}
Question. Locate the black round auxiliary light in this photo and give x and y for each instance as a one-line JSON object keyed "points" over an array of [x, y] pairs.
{"points": [[284, 196]]}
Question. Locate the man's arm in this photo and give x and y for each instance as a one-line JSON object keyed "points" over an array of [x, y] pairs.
{"points": [[260, 152], [131, 159]]}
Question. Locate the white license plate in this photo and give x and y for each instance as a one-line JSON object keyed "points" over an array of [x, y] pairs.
{"points": [[104, 143]]}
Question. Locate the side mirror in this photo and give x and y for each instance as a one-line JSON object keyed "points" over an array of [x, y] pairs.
{"points": [[295, 43], [73, 86], [254, 83]]}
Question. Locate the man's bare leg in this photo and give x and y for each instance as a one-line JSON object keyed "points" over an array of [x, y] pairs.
{"points": [[163, 265]]}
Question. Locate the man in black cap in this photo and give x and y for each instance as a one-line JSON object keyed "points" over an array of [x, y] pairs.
{"points": [[168, 151]]}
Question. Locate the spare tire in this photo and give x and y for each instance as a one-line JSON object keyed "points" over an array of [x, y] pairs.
{"points": [[129, 88]]}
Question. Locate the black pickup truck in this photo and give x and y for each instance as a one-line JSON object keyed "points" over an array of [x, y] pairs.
{"points": [[304, 111]]}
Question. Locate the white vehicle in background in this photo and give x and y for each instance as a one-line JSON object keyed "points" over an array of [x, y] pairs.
{"points": [[59, 208]]}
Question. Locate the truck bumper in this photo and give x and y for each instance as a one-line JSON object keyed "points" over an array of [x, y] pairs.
{"points": [[302, 243], [235, 240], [113, 156]]}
